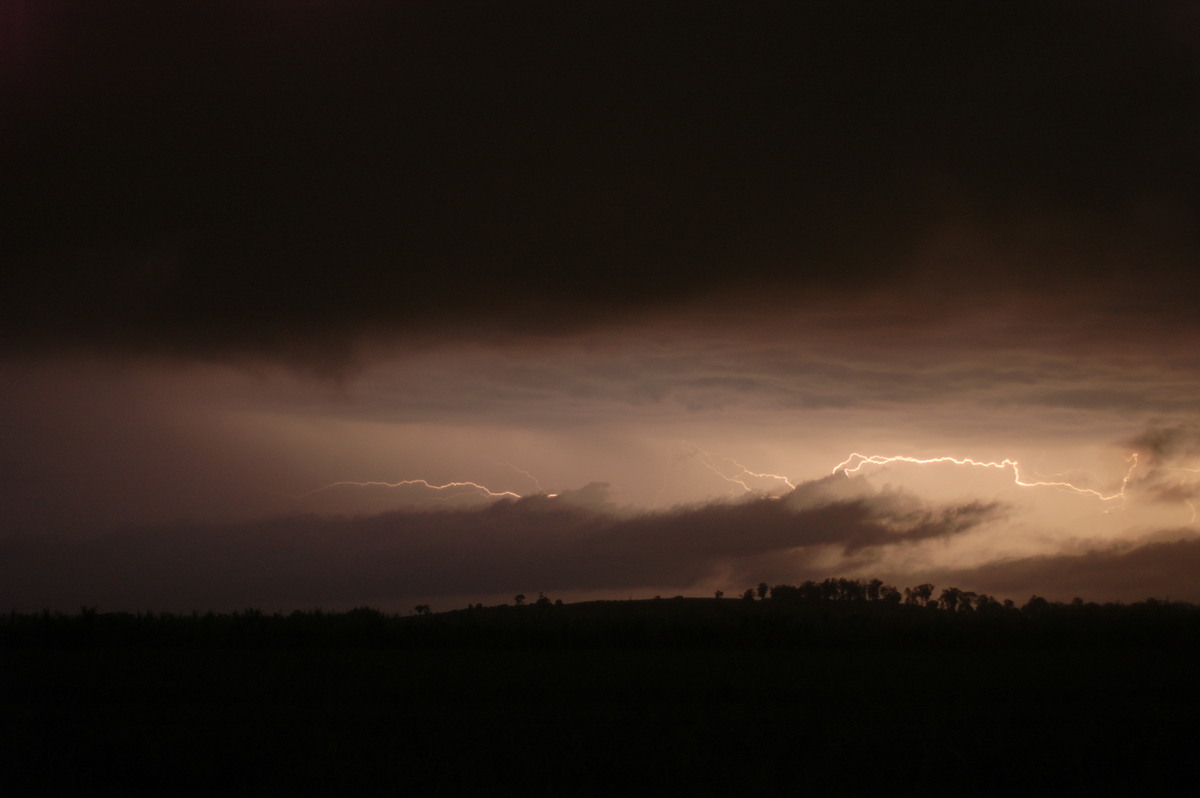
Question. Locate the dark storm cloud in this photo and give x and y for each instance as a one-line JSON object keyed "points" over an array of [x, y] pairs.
{"points": [[1158, 569], [1168, 445], [575, 542], [262, 178]]}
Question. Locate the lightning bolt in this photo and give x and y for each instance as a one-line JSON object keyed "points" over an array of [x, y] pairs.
{"points": [[1182, 484], [854, 463], [742, 473], [482, 489], [738, 475], [523, 472]]}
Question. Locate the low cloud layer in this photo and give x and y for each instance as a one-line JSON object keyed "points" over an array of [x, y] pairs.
{"points": [[572, 542], [581, 543], [1158, 569]]}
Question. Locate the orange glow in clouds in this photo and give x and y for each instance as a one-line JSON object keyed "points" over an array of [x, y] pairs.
{"points": [[773, 485], [860, 460]]}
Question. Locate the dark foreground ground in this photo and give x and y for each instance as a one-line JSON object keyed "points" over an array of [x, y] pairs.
{"points": [[383, 711]]}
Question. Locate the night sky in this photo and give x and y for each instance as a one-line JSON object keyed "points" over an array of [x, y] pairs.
{"points": [[637, 276]]}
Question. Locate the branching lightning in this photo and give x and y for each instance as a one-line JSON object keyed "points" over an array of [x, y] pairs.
{"points": [[855, 462], [742, 477], [523, 472], [482, 489], [738, 474], [741, 474]]}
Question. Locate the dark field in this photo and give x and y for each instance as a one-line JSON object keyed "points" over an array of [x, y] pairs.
{"points": [[381, 709]]}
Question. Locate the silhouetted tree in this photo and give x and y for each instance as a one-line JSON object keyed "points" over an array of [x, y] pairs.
{"points": [[852, 590], [719, 593], [519, 599], [763, 587], [749, 594], [950, 599], [1035, 606], [783, 593], [921, 595]]}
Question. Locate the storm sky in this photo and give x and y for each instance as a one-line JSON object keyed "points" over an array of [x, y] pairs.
{"points": [[640, 276]]}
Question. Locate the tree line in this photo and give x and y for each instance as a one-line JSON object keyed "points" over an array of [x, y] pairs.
{"points": [[832, 612], [951, 599]]}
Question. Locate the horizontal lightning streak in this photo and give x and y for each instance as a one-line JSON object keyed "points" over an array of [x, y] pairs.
{"points": [[856, 461], [736, 473], [421, 483]]}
